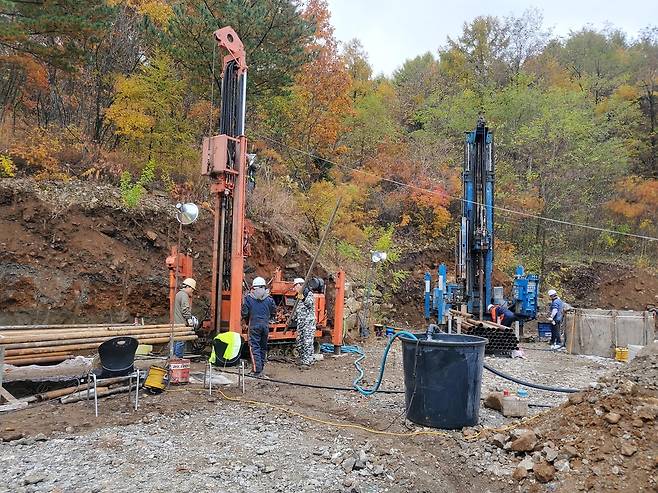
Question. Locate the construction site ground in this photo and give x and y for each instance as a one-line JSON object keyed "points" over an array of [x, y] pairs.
{"points": [[70, 253], [184, 440]]}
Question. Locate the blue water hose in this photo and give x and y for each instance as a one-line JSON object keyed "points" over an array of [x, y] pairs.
{"points": [[357, 365]]}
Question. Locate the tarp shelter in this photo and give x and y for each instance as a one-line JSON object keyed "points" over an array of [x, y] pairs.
{"points": [[598, 332]]}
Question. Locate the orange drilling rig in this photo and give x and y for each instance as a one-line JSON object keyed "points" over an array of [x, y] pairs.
{"points": [[224, 162]]}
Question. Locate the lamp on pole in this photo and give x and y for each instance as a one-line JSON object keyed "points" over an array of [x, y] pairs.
{"points": [[375, 258], [185, 214]]}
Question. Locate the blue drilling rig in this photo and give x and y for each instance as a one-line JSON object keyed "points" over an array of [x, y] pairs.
{"points": [[474, 255]]}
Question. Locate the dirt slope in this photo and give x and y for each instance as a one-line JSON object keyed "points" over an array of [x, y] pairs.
{"points": [[609, 286], [70, 252]]}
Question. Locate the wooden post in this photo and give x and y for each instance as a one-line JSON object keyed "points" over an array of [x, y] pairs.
{"points": [[12, 402], [571, 334]]}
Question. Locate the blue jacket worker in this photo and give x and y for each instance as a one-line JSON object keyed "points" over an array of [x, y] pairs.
{"points": [[556, 311], [258, 309]]}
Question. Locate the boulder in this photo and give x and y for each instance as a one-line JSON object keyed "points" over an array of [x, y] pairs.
{"points": [[612, 418], [562, 465], [570, 451], [628, 449], [550, 453], [520, 473], [352, 305], [348, 464], [544, 472], [494, 400], [525, 443], [499, 440], [527, 463]]}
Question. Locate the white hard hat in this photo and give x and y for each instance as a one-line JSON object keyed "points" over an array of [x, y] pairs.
{"points": [[190, 283], [552, 292], [258, 282], [490, 307], [298, 280]]}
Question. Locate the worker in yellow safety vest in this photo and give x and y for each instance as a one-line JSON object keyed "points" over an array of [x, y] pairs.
{"points": [[226, 349]]}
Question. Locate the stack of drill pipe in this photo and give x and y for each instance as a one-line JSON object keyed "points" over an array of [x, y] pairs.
{"points": [[502, 340], [35, 344]]}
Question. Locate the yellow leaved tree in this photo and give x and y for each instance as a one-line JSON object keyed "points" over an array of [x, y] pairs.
{"points": [[149, 115]]}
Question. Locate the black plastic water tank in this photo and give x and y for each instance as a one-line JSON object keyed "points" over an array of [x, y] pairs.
{"points": [[442, 379]]}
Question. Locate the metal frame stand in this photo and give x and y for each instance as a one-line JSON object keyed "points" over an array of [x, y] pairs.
{"points": [[94, 378]]}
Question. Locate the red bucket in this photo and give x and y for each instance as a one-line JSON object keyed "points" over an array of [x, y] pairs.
{"points": [[179, 371]]}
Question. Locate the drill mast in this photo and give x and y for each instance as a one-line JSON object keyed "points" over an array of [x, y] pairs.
{"points": [[224, 160]]}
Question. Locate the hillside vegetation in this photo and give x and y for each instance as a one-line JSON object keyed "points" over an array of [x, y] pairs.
{"points": [[123, 91]]}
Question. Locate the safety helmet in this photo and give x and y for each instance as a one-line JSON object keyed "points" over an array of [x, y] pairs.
{"points": [[552, 292], [489, 307], [258, 282], [190, 283], [298, 280]]}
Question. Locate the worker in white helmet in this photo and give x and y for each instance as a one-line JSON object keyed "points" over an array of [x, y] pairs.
{"points": [[556, 312], [183, 311], [258, 309]]}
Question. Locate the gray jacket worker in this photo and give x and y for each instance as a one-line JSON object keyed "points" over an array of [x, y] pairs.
{"points": [[183, 311]]}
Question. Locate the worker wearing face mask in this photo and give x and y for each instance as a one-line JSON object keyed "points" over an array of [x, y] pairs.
{"points": [[306, 323], [258, 309]]}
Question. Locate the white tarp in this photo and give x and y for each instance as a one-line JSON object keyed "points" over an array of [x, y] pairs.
{"points": [[599, 332]]}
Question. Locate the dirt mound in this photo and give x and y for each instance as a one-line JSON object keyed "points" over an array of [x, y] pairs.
{"points": [[71, 252], [604, 439], [609, 286]]}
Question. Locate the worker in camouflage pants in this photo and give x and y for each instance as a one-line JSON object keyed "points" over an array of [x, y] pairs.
{"points": [[305, 317]]}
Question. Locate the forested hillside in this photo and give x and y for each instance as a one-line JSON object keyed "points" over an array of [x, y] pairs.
{"points": [[123, 91]]}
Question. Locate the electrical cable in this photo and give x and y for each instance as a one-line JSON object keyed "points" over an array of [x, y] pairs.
{"points": [[380, 432], [530, 384], [336, 388], [311, 385], [433, 192]]}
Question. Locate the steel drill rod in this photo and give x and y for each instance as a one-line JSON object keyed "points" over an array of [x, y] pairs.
{"points": [[77, 347], [36, 337], [61, 326], [315, 257]]}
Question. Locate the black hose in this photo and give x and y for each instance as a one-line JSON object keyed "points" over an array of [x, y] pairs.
{"points": [[530, 384], [312, 385], [352, 389]]}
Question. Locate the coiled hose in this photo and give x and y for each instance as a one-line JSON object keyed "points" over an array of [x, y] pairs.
{"points": [[367, 392], [357, 365]]}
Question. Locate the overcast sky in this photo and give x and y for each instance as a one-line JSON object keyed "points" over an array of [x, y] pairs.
{"points": [[393, 30]]}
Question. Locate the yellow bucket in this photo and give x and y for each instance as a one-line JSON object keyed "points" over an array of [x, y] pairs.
{"points": [[155, 380], [621, 354]]}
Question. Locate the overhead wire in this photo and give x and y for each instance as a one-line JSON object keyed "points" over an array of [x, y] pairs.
{"points": [[441, 194]]}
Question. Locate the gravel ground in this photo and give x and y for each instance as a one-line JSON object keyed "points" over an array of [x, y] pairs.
{"points": [[246, 450], [183, 441]]}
